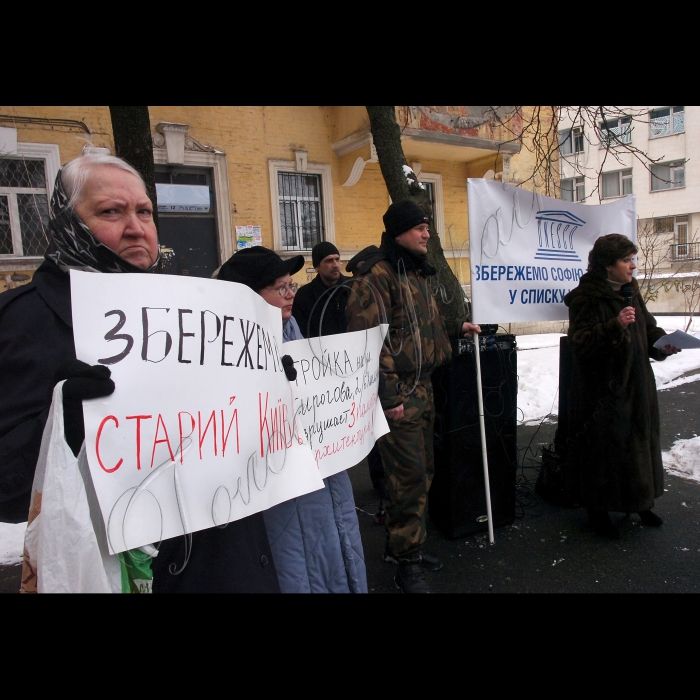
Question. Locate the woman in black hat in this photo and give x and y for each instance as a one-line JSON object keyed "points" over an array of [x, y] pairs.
{"points": [[270, 276], [315, 538]]}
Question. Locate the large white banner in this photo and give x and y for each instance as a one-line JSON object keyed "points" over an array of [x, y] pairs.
{"points": [[203, 427], [527, 251]]}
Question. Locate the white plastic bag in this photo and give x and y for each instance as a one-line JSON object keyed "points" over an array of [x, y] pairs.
{"points": [[65, 547]]}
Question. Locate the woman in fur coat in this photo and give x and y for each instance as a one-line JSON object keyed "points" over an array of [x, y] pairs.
{"points": [[613, 444]]}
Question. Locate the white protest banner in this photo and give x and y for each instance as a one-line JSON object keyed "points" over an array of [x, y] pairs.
{"points": [[335, 396], [527, 251], [199, 430]]}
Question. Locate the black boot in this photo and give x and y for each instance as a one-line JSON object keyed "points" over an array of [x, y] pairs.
{"points": [[601, 523], [410, 577], [430, 562], [648, 517]]}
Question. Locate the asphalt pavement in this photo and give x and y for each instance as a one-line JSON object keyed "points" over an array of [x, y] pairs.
{"points": [[550, 549]]}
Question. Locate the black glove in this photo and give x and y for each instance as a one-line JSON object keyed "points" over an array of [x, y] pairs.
{"points": [[289, 369], [82, 382]]}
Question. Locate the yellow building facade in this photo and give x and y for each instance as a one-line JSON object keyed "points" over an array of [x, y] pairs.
{"points": [[297, 174]]}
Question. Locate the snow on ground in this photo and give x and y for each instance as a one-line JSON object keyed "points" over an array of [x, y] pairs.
{"points": [[684, 459], [538, 369], [538, 376], [538, 388], [11, 543]]}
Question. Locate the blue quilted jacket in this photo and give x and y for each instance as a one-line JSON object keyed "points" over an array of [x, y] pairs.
{"points": [[315, 538]]}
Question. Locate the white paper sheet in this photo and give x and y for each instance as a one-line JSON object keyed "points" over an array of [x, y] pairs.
{"points": [[679, 339]]}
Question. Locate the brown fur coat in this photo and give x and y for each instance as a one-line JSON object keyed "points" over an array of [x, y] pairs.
{"points": [[614, 455]]}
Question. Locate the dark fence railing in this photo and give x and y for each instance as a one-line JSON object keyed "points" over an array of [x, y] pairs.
{"points": [[684, 251]]}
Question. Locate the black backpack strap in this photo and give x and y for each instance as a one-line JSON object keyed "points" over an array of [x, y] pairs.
{"points": [[365, 259]]}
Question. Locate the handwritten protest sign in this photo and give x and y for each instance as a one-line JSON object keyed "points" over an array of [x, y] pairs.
{"points": [[335, 396], [200, 429]]}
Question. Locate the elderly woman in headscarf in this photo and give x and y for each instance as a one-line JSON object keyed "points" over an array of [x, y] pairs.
{"points": [[101, 221], [315, 538], [614, 453]]}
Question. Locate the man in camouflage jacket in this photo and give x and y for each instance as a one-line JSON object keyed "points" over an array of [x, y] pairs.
{"points": [[391, 285]]}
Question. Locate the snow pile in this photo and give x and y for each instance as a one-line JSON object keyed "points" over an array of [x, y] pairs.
{"points": [[538, 382], [11, 543], [684, 459], [538, 370]]}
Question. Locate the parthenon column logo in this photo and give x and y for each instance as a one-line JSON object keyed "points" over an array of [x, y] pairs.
{"points": [[555, 230]]}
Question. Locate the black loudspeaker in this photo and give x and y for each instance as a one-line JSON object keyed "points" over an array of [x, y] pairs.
{"points": [[562, 433], [457, 501]]}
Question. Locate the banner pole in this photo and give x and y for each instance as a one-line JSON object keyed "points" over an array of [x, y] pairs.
{"points": [[482, 429]]}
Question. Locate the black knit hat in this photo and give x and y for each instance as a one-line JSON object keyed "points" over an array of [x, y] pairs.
{"points": [[258, 267], [322, 250], [403, 216]]}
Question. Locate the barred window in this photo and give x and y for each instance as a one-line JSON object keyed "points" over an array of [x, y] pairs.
{"points": [[666, 122], [615, 131], [24, 210], [663, 224], [301, 210]]}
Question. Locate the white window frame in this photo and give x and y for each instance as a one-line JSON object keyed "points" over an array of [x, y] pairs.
{"points": [[668, 129], [680, 228], [578, 181], [50, 154], [680, 166], [290, 166], [681, 223], [622, 175], [439, 214], [574, 136], [217, 162], [619, 131]]}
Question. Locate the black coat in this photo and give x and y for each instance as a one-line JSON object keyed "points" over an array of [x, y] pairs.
{"points": [[613, 449], [36, 338], [310, 307]]}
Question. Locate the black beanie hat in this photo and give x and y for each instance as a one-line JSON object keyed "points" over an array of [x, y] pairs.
{"points": [[258, 267], [403, 216], [322, 250]]}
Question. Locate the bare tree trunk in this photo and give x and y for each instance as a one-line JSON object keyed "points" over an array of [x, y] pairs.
{"points": [[131, 127], [403, 184]]}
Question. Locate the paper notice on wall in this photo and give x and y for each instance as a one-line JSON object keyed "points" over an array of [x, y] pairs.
{"points": [[248, 236]]}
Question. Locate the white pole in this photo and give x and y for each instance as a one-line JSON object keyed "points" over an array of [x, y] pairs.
{"points": [[482, 429]]}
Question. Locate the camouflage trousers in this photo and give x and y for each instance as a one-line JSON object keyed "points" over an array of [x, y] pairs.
{"points": [[407, 456]]}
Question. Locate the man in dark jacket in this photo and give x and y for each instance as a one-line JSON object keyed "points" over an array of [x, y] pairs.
{"points": [[391, 286], [319, 307]]}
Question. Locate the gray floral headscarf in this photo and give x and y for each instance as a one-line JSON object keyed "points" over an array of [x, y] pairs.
{"points": [[74, 245]]}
